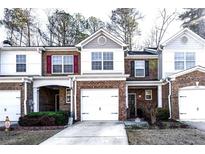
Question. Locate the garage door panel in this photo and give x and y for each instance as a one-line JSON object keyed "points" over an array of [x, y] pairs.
{"points": [[99, 104], [9, 104], [191, 104]]}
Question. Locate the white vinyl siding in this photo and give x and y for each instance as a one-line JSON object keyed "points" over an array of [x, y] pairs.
{"points": [[62, 64], [139, 68], [102, 61], [184, 60], [20, 63]]}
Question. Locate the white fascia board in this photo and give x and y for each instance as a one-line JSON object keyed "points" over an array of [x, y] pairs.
{"points": [[15, 79], [21, 48], [54, 77], [188, 32], [96, 34], [142, 57], [101, 77], [61, 49], [197, 68], [143, 83]]}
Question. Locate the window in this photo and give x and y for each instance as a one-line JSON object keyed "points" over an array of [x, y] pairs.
{"points": [[68, 95], [20, 63], [62, 64], [107, 61], [102, 60], [96, 61], [184, 60], [139, 68], [148, 94]]}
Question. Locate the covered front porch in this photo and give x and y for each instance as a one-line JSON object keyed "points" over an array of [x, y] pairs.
{"points": [[143, 98], [53, 94]]}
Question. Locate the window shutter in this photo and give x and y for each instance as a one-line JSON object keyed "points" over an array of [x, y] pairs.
{"points": [[132, 63], [76, 64], [146, 68], [49, 64]]}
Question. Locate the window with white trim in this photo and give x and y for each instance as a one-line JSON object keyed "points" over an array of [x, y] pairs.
{"points": [[139, 68], [102, 60], [148, 94], [20, 63], [62, 64], [68, 95], [184, 60]]}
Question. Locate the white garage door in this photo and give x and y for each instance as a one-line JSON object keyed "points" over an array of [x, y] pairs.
{"points": [[99, 104], [10, 104], [192, 104]]}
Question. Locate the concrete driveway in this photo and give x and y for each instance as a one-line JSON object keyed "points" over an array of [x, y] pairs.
{"points": [[200, 125], [91, 133]]}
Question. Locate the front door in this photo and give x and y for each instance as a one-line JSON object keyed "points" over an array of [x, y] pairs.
{"points": [[132, 105]]}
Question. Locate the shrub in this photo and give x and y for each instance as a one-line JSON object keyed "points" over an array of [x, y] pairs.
{"points": [[44, 119], [162, 114]]}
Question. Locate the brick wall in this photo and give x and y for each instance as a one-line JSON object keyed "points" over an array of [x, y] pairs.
{"points": [[104, 85], [63, 106], [141, 103], [186, 80], [153, 70], [46, 53]]}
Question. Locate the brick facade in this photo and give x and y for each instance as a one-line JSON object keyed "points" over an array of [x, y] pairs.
{"points": [[186, 80], [103, 84], [47, 53], [153, 70], [141, 103]]}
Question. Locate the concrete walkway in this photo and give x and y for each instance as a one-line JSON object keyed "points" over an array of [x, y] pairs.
{"points": [[200, 125], [91, 133]]}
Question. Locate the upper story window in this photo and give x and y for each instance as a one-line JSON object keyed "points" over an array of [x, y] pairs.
{"points": [[102, 60], [139, 68], [184, 60], [20, 63], [62, 64]]}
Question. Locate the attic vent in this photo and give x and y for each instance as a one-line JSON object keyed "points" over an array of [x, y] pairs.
{"points": [[184, 39], [102, 40]]}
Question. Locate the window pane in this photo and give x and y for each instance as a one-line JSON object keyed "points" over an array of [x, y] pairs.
{"points": [[108, 56], [108, 65], [57, 68], [96, 56], [68, 60], [96, 65], [21, 59], [57, 60], [190, 64], [190, 56], [139, 64], [179, 65], [68, 68], [139, 72], [20, 67], [179, 56]]}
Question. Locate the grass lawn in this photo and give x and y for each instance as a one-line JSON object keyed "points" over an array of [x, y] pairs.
{"points": [[179, 136], [25, 137]]}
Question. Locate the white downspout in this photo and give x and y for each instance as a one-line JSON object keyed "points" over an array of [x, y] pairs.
{"points": [[169, 98], [75, 108], [25, 96]]}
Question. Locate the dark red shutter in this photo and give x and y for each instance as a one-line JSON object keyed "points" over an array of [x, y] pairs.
{"points": [[146, 68], [132, 64], [76, 64], [49, 64]]}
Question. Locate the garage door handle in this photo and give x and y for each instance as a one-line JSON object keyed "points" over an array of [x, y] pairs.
{"points": [[85, 113], [85, 96], [114, 113], [183, 113], [114, 96]]}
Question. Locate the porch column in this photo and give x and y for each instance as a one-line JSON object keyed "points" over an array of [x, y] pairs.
{"points": [[126, 93], [36, 99], [71, 102], [159, 93]]}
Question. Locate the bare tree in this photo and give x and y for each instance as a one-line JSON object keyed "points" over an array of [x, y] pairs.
{"points": [[159, 30]]}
